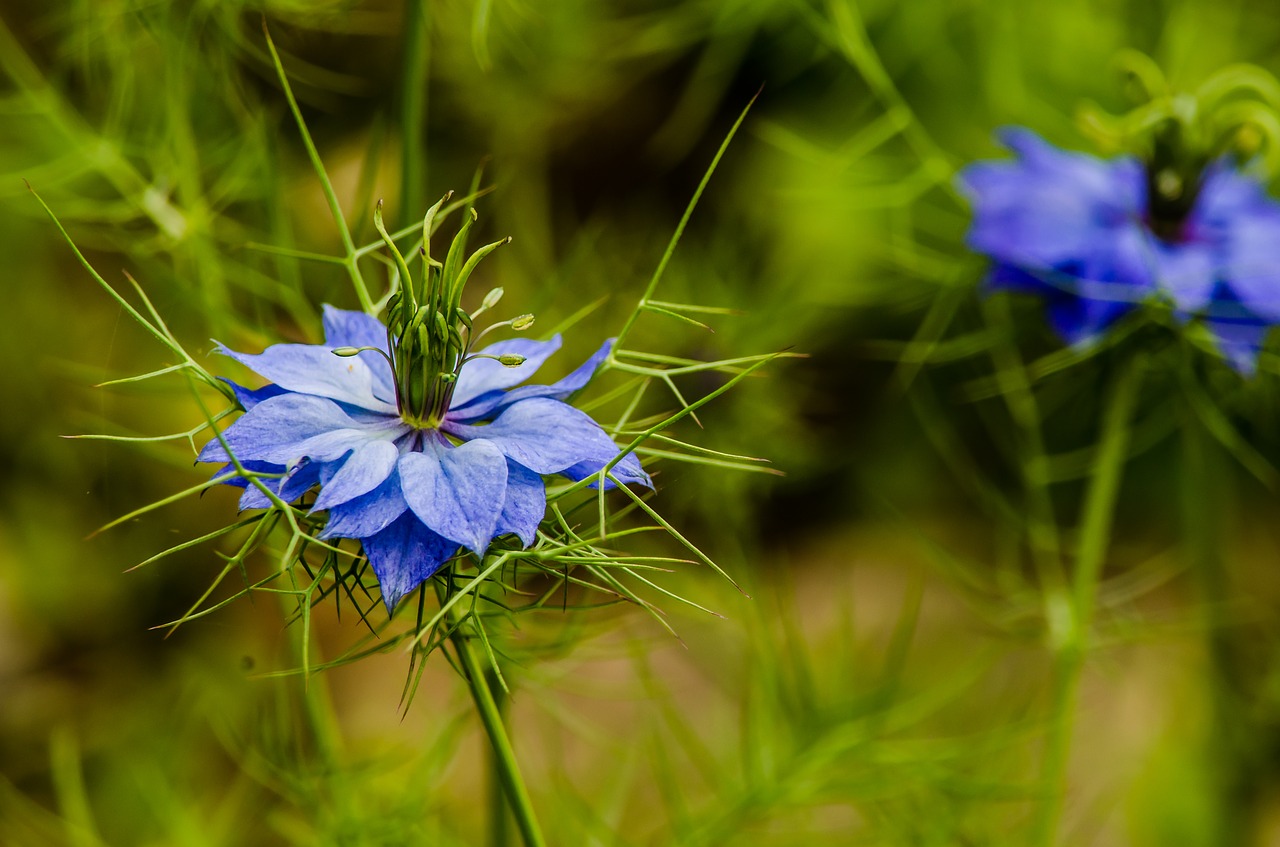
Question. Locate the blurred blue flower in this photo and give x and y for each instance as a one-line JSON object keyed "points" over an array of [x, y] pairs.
{"points": [[413, 494], [1087, 235]]}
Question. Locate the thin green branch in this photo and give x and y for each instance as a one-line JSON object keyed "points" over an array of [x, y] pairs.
{"points": [[330, 196]]}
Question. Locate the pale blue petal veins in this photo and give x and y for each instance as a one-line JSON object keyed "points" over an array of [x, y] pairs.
{"points": [[525, 505], [314, 369], [480, 376], [456, 491], [291, 427], [367, 514], [484, 405], [273, 424], [368, 467], [344, 328], [544, 435], [404, 555]]}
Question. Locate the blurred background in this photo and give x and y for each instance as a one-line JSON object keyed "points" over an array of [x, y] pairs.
{"points": [[882, 676]]}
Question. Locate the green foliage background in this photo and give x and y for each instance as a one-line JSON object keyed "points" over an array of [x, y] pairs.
{"points": [[886, 680]]}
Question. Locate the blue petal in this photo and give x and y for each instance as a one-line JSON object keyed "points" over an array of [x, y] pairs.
{"points": [[525, 506], [343, 328], [480, 376], [404, 555], [1227, 194], [627, 471], [544, 435], [293, 485], [486, 404], [367, 514], [1188, 273], [1111, 281], [291, 427], [1050, 207], [1251, 264], [314, 369], [368, 467], [456, 491], [1240, 341], [256, 467], [249, 397]]}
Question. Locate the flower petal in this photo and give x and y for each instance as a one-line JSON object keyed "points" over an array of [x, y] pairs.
{"points": [[525, 506], [480, 376], [1050, 207], [288, 488], [313, 369], [1187, 272], [456, 491], [1240, 341], [256, 467], [627, 471], [404, 555], [344, 328], [293, 426], [250, 397], [368, 467], [544, 435], [1252, 263], [367, 514], [486, 404]]}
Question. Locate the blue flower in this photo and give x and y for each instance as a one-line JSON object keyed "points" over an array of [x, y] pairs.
{"points": [[413, 493], [1086, 235]]}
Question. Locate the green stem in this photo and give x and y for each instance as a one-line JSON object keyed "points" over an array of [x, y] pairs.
{"points": [[504, 757], [351, 260], [1095, 534], [1235, 765], [499, 807], [413, 109], [675, 237]]}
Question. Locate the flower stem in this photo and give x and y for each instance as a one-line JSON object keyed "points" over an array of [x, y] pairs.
{"points": [[413, 107], [1235, 761], [1095, 532], [499, 808], [504, 757]]}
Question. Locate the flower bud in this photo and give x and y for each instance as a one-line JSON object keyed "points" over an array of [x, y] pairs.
{"points": [[522, 323], [491, 299], [511, 360], [346, 352]]}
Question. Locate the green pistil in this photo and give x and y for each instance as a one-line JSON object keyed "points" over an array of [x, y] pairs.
{"points": [[429, 334]]}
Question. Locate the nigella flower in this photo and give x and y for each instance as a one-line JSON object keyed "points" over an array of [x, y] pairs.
{"points": [[420, 447], [413, 492], [1096, 237]]}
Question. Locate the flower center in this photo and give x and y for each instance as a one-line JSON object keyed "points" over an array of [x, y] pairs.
{"points": [[1174, 176], [429, 334]]}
